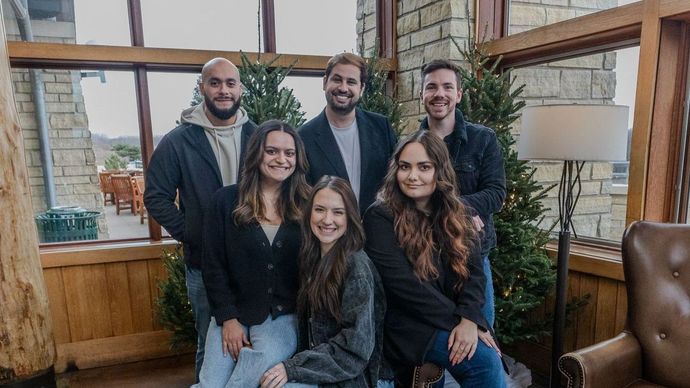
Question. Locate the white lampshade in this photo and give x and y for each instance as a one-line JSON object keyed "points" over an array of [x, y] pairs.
{"points": [[576, 132]]}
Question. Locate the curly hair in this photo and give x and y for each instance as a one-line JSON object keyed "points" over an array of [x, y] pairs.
{"points": [[447, 230]]}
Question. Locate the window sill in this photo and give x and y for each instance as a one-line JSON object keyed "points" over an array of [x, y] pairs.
{"points": [[106, 252], [599, 261]]}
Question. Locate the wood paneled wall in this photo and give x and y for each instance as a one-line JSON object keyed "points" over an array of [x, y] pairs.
{"points": [[603, 317], [102, 303]]}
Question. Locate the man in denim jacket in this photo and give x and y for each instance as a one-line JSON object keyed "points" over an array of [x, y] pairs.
{"points": [[475, 154]]}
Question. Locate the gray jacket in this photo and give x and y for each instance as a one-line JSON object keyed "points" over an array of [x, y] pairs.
{"points": [[348, 354]]}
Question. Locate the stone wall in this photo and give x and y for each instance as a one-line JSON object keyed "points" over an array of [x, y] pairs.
{"points": [[74, 163], [586, 80], [427, 29]]}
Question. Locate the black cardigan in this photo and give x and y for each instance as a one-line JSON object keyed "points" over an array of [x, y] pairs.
{"points": [[416, 309], [246, 277], [183, 163]]}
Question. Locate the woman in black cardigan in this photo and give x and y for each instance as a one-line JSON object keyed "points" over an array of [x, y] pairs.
{"points": [[421, 239], [250, 266]]}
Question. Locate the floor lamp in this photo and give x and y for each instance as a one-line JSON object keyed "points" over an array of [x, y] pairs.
{"points": [[575, 134]]}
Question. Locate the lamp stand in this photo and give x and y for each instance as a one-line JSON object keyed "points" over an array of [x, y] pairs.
{"points": [[568, 194]]}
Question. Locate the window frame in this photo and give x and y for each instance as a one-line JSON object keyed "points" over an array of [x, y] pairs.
{"points": [[140, 59], [662, 29]]}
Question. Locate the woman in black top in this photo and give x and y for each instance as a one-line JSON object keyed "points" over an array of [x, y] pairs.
{"points": [[249, 266], [421, 239], [341, 299]]}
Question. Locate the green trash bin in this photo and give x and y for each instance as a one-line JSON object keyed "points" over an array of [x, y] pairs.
{"points": [[67, 223]]}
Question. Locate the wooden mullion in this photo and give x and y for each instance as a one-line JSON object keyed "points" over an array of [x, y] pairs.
{"points": [[136, 25], [667, 119], [683, 202], [268, 21], [44, 55], [598, 29], [644, 106], [492, 20], [385, 27], [145, 134]]}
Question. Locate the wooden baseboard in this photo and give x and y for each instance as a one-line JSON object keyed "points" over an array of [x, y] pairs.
{"points": [[114, 350]]}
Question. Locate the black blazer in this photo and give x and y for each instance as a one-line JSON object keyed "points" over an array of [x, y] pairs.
{"points": [[246, 277], [184, 161], [376, 141]]}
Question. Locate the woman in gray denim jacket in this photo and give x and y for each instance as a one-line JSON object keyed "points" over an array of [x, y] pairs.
{"points": [[341, 299]]}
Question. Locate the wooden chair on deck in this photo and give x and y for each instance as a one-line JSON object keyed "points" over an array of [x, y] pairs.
{"points": [[138, 190], [124, 195], [106, 187]]}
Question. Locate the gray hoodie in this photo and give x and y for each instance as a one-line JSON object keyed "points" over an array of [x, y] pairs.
{"points": [[226, 141]]}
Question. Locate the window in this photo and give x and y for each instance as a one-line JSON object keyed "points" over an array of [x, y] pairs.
{"points": [[89, 118], [603, 78], [332, 32], [124, 99], [526, 15], [66, 21], [204, 24]]}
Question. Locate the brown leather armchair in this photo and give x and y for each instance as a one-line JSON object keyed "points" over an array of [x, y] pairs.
{"points": [[654, 349]]}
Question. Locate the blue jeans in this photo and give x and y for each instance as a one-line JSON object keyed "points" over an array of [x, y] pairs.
{"points": [[196, 291], [272, 341], [483, 370], [488, 310]]}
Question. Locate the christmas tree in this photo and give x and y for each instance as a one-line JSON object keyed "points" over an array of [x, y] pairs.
{"points": [[375, 98], [264, 98], [174, 309], [523, 273]]}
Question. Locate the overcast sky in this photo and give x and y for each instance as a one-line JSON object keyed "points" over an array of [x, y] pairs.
{"points": [[209, 24]]}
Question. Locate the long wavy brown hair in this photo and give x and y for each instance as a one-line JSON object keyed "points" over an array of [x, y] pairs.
{"points": [[447, 230], [321, 278], [294, 190]]}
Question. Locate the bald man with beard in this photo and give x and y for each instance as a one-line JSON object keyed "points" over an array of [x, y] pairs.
{"points": [[195, 159]]}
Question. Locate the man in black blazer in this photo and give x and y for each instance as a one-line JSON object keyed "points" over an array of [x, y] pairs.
{"points": [[344, 141]]}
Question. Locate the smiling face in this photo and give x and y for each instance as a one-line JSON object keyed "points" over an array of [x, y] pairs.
{"points": [[222, 91], [416, 174], [343, 88], [328, 218], [279, 157], [440, 94]]}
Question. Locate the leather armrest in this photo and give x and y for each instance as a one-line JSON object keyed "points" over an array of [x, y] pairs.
{"points": [[612, 363]]}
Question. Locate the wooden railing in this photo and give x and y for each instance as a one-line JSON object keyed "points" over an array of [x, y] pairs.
{"points": [[102, 303], [603, 317]]}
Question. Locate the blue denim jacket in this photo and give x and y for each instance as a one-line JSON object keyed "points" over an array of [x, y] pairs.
{"points": [[478, 164], [349, 353]]}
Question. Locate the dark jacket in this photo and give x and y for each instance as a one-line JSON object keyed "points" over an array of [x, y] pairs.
{"points": [[347, 354], [376, 141], [246, 277], [478, 163], [416, 309], [184, 162]]}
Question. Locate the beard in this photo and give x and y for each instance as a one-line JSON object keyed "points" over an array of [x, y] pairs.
{"points": [[340, 108], [222, 114]]}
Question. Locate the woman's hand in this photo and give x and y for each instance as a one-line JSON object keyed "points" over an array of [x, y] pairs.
{"points": [[234, 338], [462, 341], [488, 339], [275, 377]]}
